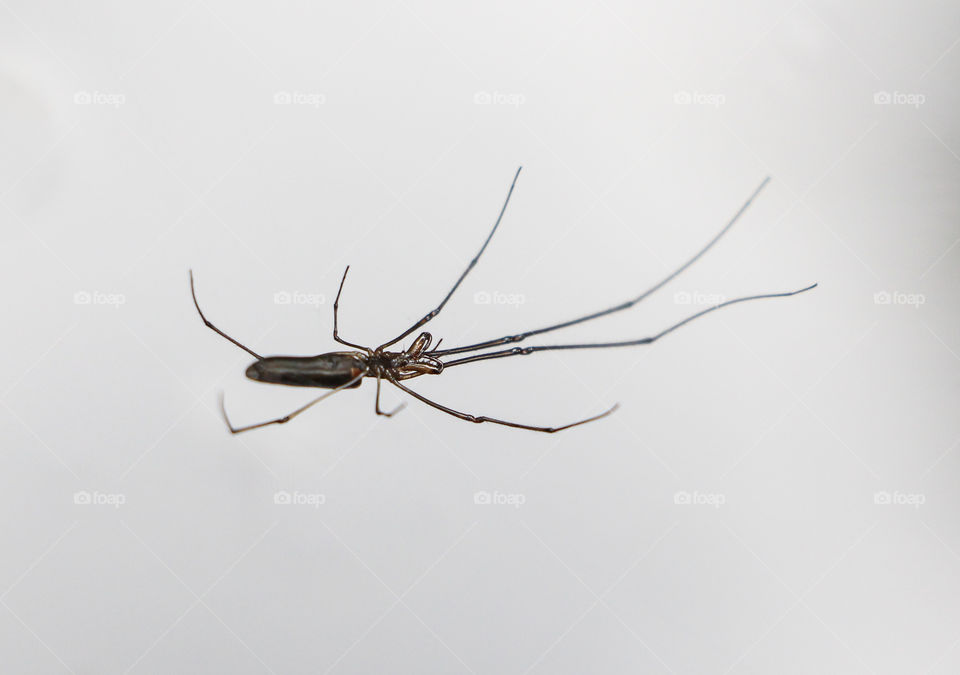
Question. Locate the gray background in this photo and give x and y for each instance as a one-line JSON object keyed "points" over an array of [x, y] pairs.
{"points": [[143, 139]]}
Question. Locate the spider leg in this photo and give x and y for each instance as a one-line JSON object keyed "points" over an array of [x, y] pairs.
{"points": [[216, 330], [433, 313], [336, 308], [522, 351], [377, 405], [483, 418], [622, 306], [285, 418]]}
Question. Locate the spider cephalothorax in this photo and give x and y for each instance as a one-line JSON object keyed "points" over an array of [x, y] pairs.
{"points": [[414, 361]]}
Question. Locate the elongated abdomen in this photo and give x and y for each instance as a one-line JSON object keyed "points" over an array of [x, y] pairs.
{"points": [[327, 371]]}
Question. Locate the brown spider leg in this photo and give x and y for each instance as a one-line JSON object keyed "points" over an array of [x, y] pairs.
{"points": [[377, 405], [214, 328], [336, 307], [482, 418], [285, 418], [522, 351], [432, 314], [618, 308]]}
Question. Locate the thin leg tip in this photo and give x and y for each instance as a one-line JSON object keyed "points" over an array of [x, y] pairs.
{"points": [[223, 411]]}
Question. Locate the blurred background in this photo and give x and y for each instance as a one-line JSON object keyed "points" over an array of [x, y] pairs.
{"points": [[777, 492]]}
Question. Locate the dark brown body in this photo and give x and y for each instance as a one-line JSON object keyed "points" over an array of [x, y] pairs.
{"points": [[326, 371]]}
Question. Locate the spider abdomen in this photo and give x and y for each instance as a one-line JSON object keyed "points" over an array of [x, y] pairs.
{"points": [[325, 371]]}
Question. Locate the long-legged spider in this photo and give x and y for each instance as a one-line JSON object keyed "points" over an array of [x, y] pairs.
{"points": [[337, 371]]}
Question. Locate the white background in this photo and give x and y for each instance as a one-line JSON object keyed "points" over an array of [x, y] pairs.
{"points": [[140, 140]]}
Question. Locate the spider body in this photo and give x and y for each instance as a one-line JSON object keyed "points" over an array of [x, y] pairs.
{"points": [[343, 370]]}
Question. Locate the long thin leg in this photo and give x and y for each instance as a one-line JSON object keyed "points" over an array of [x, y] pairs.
{"points": [[377, 405], [336, 308], [619, 308], [433, 313], [520, 351], [285, 418], [214, 328], [481, 418]]}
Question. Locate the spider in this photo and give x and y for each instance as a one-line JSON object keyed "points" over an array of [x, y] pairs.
{"points": [[336, 371]]}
